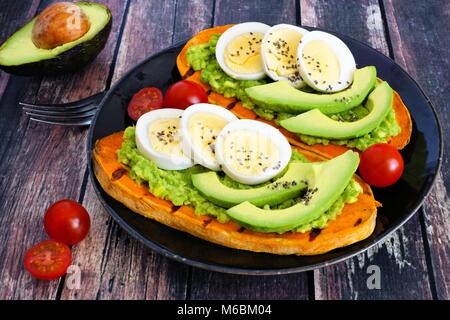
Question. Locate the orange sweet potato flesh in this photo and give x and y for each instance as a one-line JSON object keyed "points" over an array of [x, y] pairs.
{"points": [[354, 223], [201, 37], [401, 112]]}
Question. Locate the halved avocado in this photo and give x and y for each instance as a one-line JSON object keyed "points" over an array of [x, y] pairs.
{"points": [[19, 55]]}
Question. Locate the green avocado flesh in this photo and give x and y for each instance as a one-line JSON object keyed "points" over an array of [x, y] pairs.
{"points": [[281, 96], [202, 57], [19, 49], [177, 186], [286, 187], [326, 182], [315, 123]]}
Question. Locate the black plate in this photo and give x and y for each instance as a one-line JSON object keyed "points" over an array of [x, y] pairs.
{"points": [[422, 161]]}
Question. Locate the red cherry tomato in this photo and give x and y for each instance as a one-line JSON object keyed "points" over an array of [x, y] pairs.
{"points": [[48, 260], [67, 221], [381, 165], [183, 94], [143, 101]]}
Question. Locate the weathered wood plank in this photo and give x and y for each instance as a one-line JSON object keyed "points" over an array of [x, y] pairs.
{"points": [[128, 270], [200, 17], [212, 285], [115, 266], [148, 28], [361, 20], [21, 12], [38, 172], [41, 164], [437, 225], [270, 12], [420, 44], [402, 270], [15, 229], [14, 14], [401, 259]]}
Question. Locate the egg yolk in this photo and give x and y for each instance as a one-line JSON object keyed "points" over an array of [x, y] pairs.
{"points": [[281, 53], [321, 63], [164, 136], [243, 53], [250, 153], [204, 128]]}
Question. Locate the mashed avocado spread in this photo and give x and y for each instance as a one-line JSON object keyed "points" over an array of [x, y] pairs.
{"points": [[176, 186], [202, 57]]}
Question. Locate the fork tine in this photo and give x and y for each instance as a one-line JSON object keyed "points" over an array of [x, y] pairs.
{"points": [[62, 116], [57, 111], [80, 123], [94, 99]]}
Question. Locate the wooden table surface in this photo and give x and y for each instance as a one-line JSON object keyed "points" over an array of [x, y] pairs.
{"points": [[40, 164]]}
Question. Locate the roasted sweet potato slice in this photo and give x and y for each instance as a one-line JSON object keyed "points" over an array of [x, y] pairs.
{"points": [[201, 37], [404, 121], [401, 112], [356, 221]]}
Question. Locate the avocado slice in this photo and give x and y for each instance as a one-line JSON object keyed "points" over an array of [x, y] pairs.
{"points": [[282, 97], [315, 123], [286, 187], [19, 55], [326, 182]]}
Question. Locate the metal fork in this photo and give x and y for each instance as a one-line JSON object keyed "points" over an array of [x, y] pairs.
{"points": [[76, 113]]}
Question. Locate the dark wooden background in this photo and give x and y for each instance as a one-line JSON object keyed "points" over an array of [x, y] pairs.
{"points": [[40, 164]]}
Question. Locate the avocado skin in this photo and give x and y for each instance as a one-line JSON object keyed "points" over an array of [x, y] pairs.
{"points": [[69, 61]]}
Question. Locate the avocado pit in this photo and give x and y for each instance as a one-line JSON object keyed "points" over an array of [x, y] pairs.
{"points": [[58, 24]]}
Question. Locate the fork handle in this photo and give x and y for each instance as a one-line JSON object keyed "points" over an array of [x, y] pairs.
{"points": [[94, 99]]}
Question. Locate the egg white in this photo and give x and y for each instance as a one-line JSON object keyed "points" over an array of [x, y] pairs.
{"points": [[163, 161], [271, 74], [345, 57], [189, 148], [278, 139], [228, 36]]}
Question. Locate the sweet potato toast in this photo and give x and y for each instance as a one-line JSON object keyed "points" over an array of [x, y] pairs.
{"points": [[401, 112], [354, 223]]}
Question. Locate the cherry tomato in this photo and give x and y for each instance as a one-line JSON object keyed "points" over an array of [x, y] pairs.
{"points": [[48, 260], [67, 221], [183, 94], [143, 101], [381, 165]]}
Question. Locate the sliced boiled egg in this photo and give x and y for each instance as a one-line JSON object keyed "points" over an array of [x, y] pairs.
{"points": [[158, 139], [200, 125], [251, 151], [279, 53], [325, 62], [238, 51]]}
